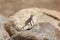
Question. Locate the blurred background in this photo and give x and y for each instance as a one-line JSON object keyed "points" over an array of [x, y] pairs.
{"points": [[9, 7]]}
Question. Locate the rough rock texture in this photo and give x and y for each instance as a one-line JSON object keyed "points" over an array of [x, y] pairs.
{"points": [[17, 20], [46, 30], [58, 34], [26, 35], [20, 17], [9, 27], [40, 31], [8, 7], [3, 33]]}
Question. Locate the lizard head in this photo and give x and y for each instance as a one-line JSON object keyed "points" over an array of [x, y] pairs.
{"points": [[31, 15]]}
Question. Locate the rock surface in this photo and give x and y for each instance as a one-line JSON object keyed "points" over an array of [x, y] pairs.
{"points": [[21, 16], [40, 31], [26, 35], [46, 30], [3, 33], [17, 21]]}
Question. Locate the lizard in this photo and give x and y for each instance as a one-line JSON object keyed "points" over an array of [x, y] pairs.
{"points": [[30, 20]]}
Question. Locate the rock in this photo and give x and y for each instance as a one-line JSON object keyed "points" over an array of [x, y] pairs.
{"points": [[20, 17], [46, 30], [25, 35], [40, 31], [23, 15], [17, 21], [3, 34], [9, 27]]}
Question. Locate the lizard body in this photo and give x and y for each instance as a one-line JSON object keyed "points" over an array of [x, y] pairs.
{"points": [[28, 21]]}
